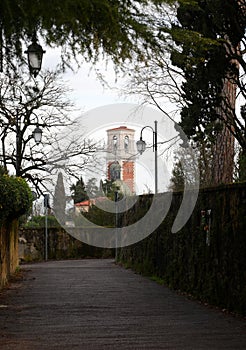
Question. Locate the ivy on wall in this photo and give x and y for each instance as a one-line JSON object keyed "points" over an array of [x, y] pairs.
{"points": [[15, 198], [207, 257]]}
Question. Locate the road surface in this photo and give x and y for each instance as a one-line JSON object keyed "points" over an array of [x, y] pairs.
{"points": [[95, 305]]}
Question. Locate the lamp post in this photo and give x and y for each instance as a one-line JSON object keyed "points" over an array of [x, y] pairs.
{"points": [[35, 55], [141, 147], [46, 205]]}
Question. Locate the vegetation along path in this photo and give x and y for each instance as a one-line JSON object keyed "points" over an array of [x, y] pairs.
{"points": [[95, 304]]}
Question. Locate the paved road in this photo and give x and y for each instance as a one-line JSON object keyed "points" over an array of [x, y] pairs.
{"points": [[95, 304]]}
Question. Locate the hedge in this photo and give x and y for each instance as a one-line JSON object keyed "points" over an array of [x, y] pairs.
{"points": [[15, 199]]}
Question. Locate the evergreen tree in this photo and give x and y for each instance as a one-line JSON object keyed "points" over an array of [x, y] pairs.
{"points": [[78, 190], [91, 188], [192, 168], [208, 38], [208, 34], [202, 79], [177, 181], [59, 200], [109, 187], [118, 28]]}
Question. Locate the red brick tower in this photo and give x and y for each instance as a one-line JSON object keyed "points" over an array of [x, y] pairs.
{"points": [[120, 156]]}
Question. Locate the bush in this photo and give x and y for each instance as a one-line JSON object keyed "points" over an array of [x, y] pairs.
{"points": [[16, 197], [39, 222]]}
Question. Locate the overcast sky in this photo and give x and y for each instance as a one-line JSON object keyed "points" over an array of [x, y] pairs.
{"points": [[88, 91]]}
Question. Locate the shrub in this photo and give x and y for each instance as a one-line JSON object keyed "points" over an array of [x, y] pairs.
{"points": [[39, 222], [16, 197]]}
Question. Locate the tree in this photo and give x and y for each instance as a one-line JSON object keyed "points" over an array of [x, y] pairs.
{"points": [[24, 103], [210, 103], [192, 167], [108, 188], [78, 190], [242, 152], [120, 29], [177, 181], [100, 217], [207, 50], [92, 188], [59, 199]]}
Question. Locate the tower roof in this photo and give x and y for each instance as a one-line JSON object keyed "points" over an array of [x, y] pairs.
{"points": [[121, 128]]}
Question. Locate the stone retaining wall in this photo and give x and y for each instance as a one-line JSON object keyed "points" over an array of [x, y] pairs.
{"points": [[207, 257], [9, 260], [60, 246]]}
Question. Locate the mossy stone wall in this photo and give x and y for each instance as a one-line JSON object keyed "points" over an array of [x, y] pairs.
{"points": [[61, 245], [209, 264], [8, 250]]}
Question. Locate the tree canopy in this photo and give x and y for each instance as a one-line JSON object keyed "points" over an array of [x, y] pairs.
{"points": [[78, 190], [120, 29], [211, 41], [16, 197], [203, 73], [208, 37]]}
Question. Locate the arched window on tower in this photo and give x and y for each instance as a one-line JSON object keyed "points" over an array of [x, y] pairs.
{"points": [[126, 143], [115, 170], [115, 142]]}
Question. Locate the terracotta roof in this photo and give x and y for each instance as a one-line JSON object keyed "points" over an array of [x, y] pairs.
{"points": [[90, 201], [84, 203], [121, 128]]}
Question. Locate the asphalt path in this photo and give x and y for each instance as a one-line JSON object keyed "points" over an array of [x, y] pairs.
{"points": [[96, 304]]}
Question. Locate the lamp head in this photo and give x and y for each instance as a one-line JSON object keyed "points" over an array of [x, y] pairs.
{"points": [[37, 134], [141, 145], [35, 55]]}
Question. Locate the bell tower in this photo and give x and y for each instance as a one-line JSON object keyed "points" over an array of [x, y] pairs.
{"points": [[120, 157]]}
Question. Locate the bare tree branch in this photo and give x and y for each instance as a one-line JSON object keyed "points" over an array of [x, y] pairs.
{"points": [[24, 104]]}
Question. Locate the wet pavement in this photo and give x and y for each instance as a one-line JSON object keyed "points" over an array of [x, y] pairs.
{"points": [[95, 304]]}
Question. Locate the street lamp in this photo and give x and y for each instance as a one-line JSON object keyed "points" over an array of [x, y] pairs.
{"points": [[35, 55], [141, 147], [116, 198], [37, 134]]}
